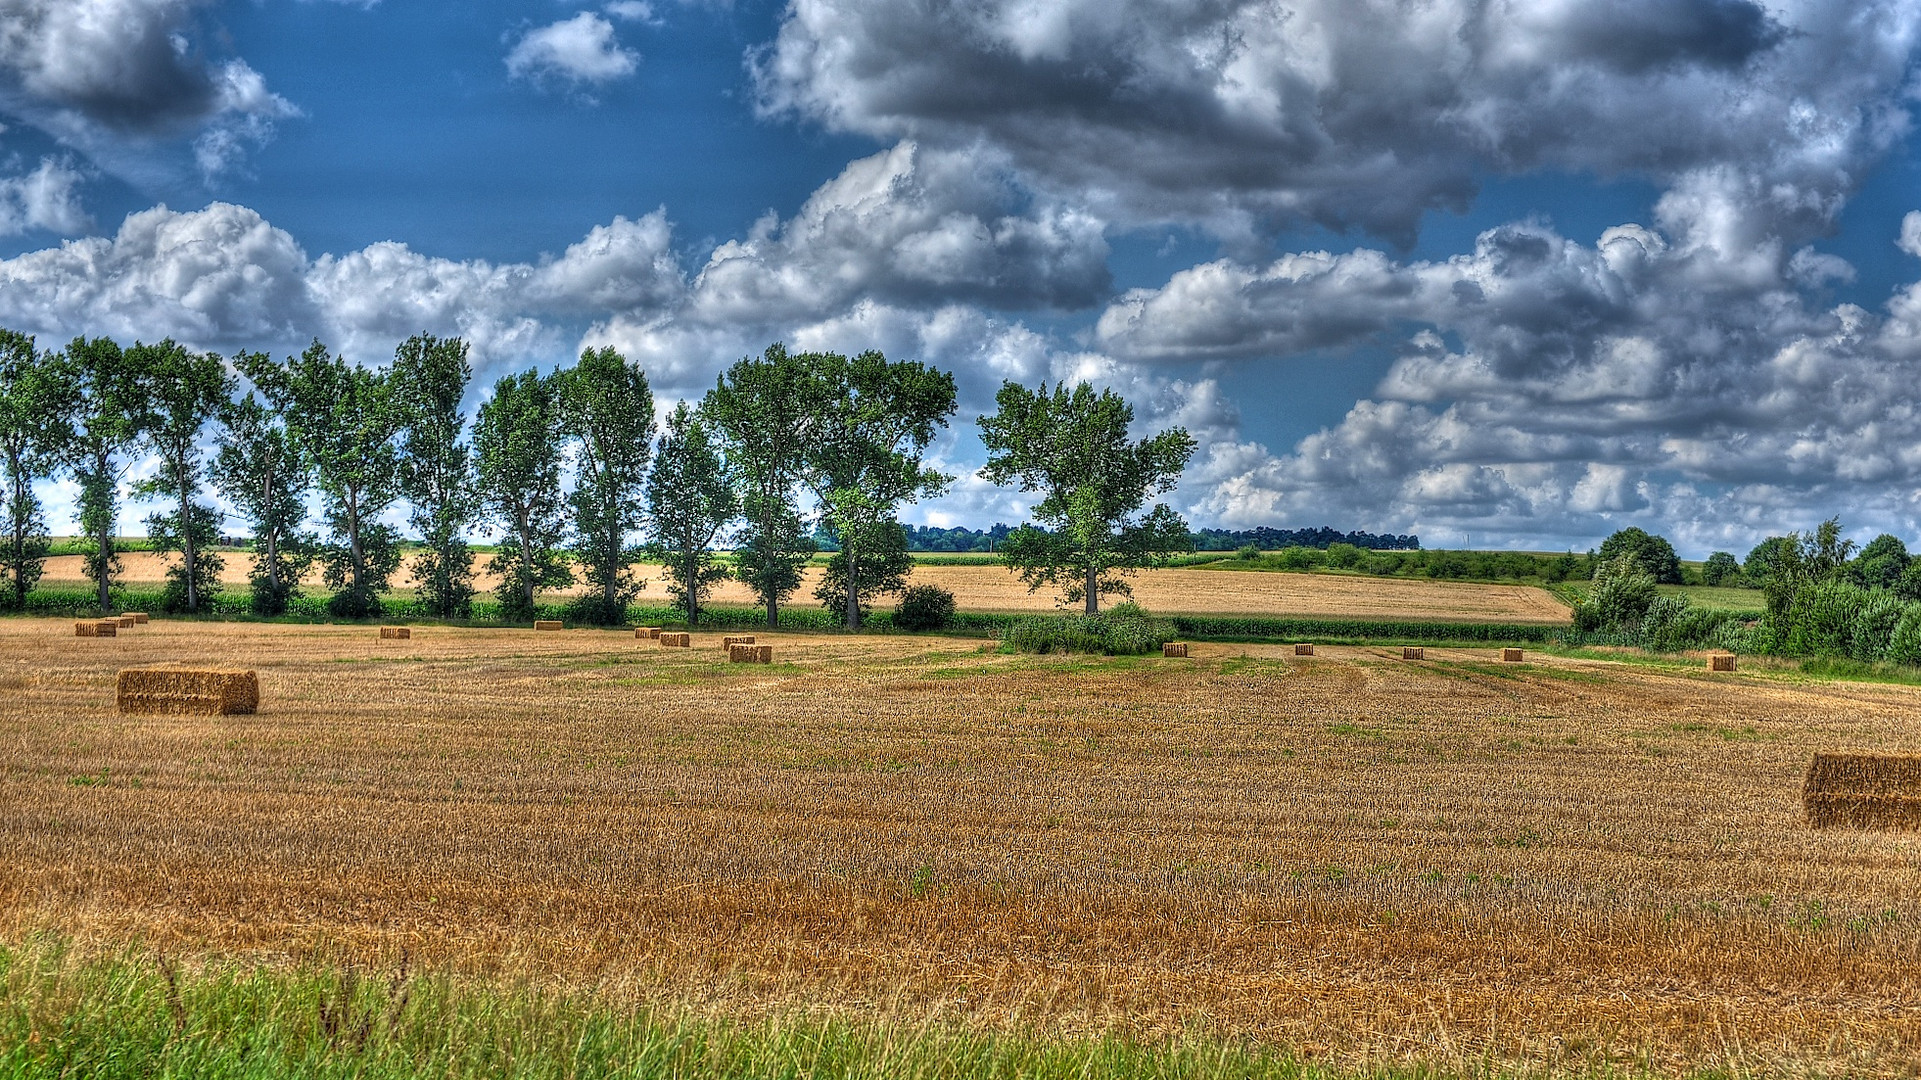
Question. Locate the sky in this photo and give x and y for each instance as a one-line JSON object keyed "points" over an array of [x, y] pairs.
{"points": [[1501, 273]]}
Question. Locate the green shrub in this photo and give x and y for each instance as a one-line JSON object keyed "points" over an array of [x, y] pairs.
{"points": [[1821, 619], [1874, 626], [1299, 558], [1248, 553], [924, 607], [1622, 595], [1124, 630], [1904, 645]]}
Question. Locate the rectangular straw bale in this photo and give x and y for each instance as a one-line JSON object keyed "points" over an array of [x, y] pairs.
{"points": [[396, 633], [549, 624], [125, 621], [139, 617], [1863, 791], [1174, 649], [96, 628], [647, 633], [750, 654], [1721, 663], [676, 641], [1413, 652], [1512, 656], [1303, 650], [199, 692], [730, 642]]}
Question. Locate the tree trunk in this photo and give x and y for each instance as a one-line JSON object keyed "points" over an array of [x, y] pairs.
{"points": [[105, 538], [273, 541], [773, 613], [1093, 591], [186, 543], [853, 585], [353, 543]]}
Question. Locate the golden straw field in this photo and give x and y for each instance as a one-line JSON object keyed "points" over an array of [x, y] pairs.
{"points": [[994, 588], [1561, 863]]}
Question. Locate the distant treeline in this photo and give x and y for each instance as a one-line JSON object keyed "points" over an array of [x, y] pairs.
{"points": [[1323, 538], [930, 538]]}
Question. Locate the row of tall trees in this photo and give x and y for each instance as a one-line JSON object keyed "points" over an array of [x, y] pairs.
{"points": [[785, 444]]}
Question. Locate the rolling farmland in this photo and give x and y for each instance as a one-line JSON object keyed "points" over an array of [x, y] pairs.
{"points": [[995, 589], [1561, 864]]}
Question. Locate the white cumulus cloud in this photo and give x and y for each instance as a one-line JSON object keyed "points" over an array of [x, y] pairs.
{"points": [[580, 50]]}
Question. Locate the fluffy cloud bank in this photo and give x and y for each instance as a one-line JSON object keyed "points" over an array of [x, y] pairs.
{"points": [[1245, 113]]}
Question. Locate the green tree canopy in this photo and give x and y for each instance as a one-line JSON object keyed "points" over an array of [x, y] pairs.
{"points": [[261, 472], [518, 444], [766, 412], [1721, 569], [35, 403], [607, 409], [1881, 564], [346, 423], [182, 392], [106, 390], [876, 418], [430, 376], [1654, 553], [1072, 447], [689, 502]]}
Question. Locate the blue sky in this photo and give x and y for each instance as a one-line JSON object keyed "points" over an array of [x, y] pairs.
{"points": [[1526, 271]]}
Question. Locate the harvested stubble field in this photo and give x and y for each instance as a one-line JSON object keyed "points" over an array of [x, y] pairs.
{"points": [[1561, 863], [996, 589]]}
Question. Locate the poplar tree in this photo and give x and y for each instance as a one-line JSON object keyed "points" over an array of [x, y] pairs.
{"points": [[607, 410], [34, 407], [765, 413], [183, 392], [430, 378], [518, 446], [345, 422], [105, 414], [689, 502], [260, 471], [876, 419], [1072, 447]]}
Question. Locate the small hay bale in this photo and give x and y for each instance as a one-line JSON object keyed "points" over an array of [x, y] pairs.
{"points": [[125, 621], [1863, 791], [139, 617], [730, 642], [1721, 662], [1512, 656], [396, 633], [1174, 649], [549, 624], [676, 641], [1413, 652], [184, 691], [646, 633], [750, 654], [1303, 650]]}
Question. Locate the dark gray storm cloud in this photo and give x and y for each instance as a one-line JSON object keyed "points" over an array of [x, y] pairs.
{"points": [[1244, 113]]}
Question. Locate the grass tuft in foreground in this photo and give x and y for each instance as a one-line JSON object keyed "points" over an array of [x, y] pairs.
{"points": [[139, 1015]]}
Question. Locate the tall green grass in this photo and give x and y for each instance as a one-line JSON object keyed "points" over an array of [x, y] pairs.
{"points": [[137, 1016]]}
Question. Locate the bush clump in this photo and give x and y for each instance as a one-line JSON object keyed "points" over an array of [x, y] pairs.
{"points": [[1124, 630], [924, 607]]}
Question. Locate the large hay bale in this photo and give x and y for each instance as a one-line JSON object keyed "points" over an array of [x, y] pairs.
{"points": [[676, 641], [1176, 649], [1721, 662], [730, 642], [1413, 652], [188, 691], [1863, 791], [750, 654], [97, 628], [396, 633], [1303, 650], [549, 624], [125, 622], [1512, 656], [139, 617]]}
